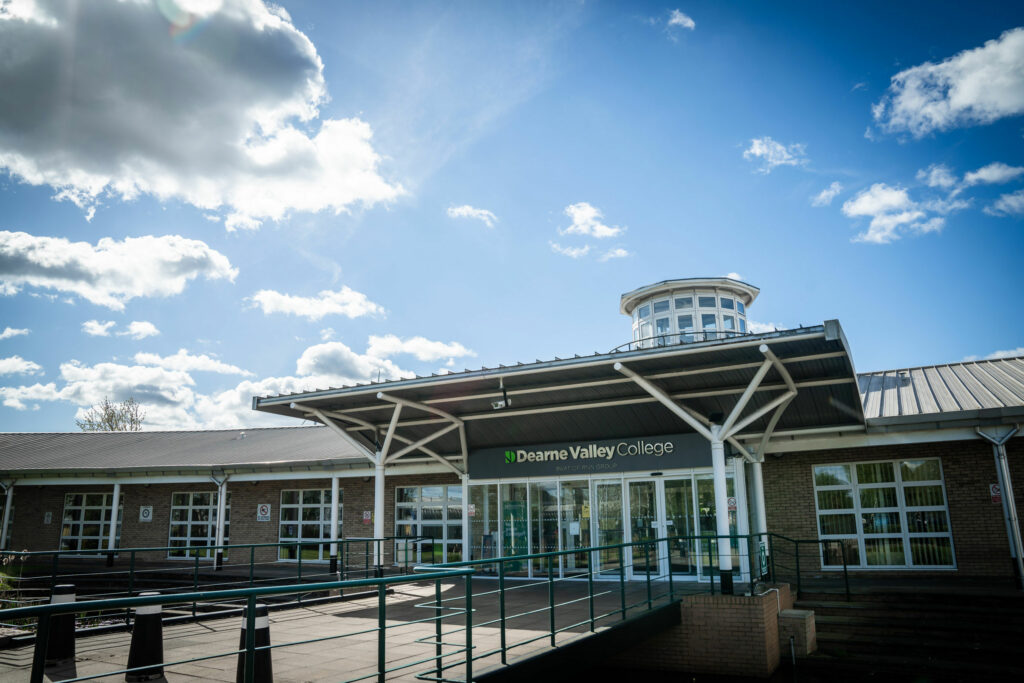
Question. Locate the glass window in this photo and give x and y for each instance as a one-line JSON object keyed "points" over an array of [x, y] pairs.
{"points": [[899, 508], [726, 303], [743, 325], [661, 329], [645, 332], [740, 308], [684, 302], [199, 534], [77, 533], [707, 321], [305, 519], [706, 301], [728, 323], [644, 311], [661, 306], [430, 512]]}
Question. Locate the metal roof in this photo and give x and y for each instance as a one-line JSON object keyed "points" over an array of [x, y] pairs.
{"points": [[984, 389], [586, 398], [167, 451]]}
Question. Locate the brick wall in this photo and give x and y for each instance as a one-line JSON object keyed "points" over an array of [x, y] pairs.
{"points": [[729, 635], [979, 533]]}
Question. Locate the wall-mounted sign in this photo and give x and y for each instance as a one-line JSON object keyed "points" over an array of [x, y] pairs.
{"points": [[731, 501], [996, 492], [263, 512], [145, 513], [471, 511], [47, 517], [671, 451], [367, 516]]}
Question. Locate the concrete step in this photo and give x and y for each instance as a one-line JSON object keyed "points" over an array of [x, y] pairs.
{"points": [[928, 647], [1007, 615], [898, 669], [914, 627]]}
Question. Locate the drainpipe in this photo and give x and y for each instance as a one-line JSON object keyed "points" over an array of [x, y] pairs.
{"points": [[112, 536], [334, 524], [378, 514], [721, 509], [9, 491], [999, 447]]}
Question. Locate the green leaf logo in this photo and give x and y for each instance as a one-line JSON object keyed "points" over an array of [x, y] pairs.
{"points": [[510, 457]]}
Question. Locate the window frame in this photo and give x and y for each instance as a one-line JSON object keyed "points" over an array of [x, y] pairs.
{"points": [[103, 522], [210, 539], [322, 542], [417, 522]]}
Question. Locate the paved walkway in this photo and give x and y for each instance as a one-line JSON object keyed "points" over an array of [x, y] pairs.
{"points": [[409, 639]]}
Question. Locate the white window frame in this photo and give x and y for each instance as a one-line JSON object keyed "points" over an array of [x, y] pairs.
{"points": [[103, 522], [210, 538], [446, 523], [901, 508], [323, 540]]}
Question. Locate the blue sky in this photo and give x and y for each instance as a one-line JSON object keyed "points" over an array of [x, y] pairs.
{"points": [[204, 200]]}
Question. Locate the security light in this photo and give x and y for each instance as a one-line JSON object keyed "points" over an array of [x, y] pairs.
{"points": [[505, 401]]}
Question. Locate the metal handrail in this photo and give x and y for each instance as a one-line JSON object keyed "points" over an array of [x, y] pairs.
{"points": [[682, 338]]}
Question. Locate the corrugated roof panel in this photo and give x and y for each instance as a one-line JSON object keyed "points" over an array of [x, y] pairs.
{"points": [[926, 402], [908, 398], [1013, 367], [873, 400], [1000, 392], [1006, 372], [943, 396], [956, 387], [890, 395], [982, 395]]}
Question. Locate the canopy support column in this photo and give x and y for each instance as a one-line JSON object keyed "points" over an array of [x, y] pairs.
{"points": [[757, 485], [378, 515], [721, 509], [742, 516], [465, 517], [8, 488], [335, 492], [1003, 469], [112, 535], [222, 506]]}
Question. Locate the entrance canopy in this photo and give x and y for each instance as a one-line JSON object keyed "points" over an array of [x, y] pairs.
{"points": [[601, 396]]}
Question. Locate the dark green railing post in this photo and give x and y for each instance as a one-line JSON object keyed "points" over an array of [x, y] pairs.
{"points": [[131, 587], [771, 557], [551, 598], [300, 563], [250, 639], [501, 608], [590, 586], [647, 571], [195, 581], [381, 625], [622, 581], [671, 587], [469, 627], [366, 559], [846, 573], [437, 629], [53, 572], [39, 653], [712, 551], [796, 544]]}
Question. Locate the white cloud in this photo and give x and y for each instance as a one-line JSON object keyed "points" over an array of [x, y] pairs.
{"points": [[16, 365], [734, 276], [937, 175], [111, 272], [760, 328], [1008, 353], [345, 301], [216, 106], [974, 87], [327, 334], [140, 329], [187, 362], [1008, 205], [16, 397], [420, 347], [772, 154], [859, 86], [617, 252], [338, 360], [94, 328], [680, 20], [825, 197], [892, 214], [993, 174], [467, 211], [586, 220], [571, 252], [12, 332]]}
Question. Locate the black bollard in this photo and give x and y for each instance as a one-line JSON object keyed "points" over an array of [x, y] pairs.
{"points": [[727, 588], [263, 671], [60, 646], [147, 648], [334, 564]]}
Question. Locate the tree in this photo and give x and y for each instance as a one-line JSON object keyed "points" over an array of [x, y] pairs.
{"points": [[126, 416]]}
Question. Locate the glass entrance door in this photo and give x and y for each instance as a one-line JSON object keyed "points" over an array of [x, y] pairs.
{"points": [[645, 524], [679, 520]]}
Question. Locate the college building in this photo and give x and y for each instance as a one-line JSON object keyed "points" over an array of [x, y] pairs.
{"points": [[695, 428]]}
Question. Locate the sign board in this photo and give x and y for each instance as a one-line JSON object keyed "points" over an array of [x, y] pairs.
{"points": [[635, 454], [996, 492], [471, 510], [145, 513], [762, 557], [263, 512], [731, 500], [367, 516], [47, 517]]}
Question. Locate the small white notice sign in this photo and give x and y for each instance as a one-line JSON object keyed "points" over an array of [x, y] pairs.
{"points": [[145, 513], [263, 512], [731, 501], [996, 492]]}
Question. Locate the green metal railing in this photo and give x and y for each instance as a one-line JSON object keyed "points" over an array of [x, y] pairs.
{"points": [[44, 615], [794, 560], [30, 575]]}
